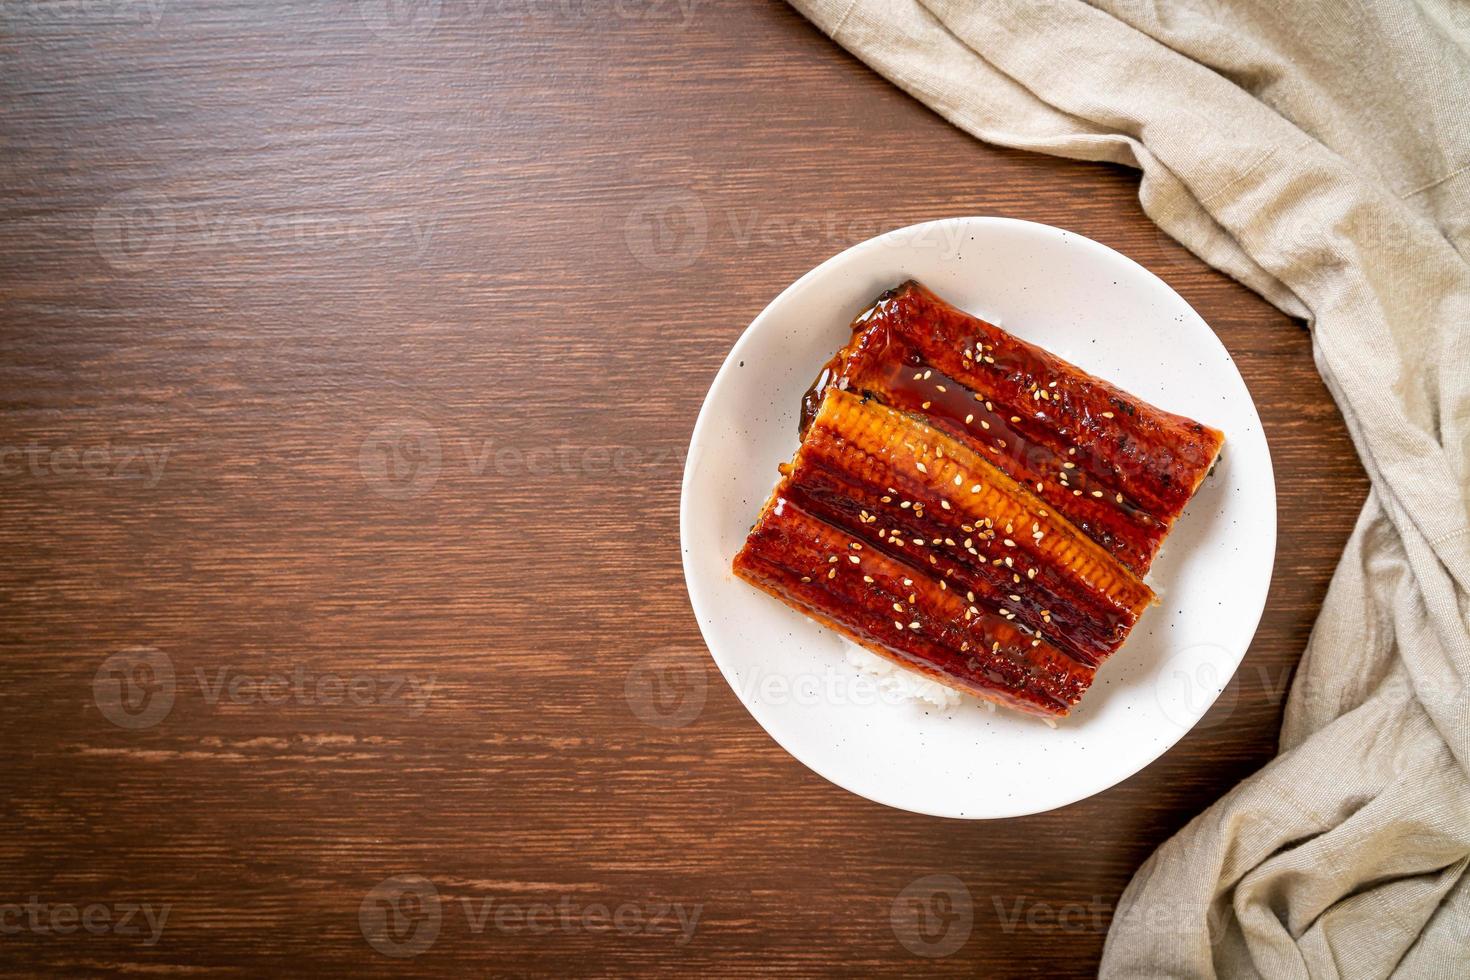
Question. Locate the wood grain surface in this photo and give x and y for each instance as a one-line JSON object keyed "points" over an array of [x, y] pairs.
{"points": [[350, 353]]}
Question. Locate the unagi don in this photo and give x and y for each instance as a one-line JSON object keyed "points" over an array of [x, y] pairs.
{"points": [[972, 507]]}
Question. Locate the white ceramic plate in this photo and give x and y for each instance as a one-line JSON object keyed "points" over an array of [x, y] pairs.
{"points": [[1098, 309]]}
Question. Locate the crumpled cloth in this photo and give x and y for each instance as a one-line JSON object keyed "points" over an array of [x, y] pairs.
{"points": [[1319, 152]]}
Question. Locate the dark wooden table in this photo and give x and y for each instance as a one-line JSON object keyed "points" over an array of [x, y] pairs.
{"points": [[349, 358]]}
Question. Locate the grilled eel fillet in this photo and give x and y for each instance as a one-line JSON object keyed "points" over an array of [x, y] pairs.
{"points": [[971, 507], [1118, 468], [917, 547]]}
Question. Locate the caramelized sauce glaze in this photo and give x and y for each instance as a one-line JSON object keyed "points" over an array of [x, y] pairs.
{"points": [[1118, 468], [973, 507]]}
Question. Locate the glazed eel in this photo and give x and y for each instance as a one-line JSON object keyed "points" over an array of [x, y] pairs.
{"points": [[971, 507]]}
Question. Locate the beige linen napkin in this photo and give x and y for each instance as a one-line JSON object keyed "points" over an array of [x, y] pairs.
{"points": [[1319, 152]]}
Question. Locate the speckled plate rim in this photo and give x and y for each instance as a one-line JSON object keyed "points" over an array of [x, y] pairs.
{"points": [[1252, 595]]}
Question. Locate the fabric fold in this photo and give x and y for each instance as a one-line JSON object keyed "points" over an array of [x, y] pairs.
{"points": [[1320, 154]]}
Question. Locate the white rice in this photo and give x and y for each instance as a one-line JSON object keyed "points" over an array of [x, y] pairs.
{"points": [[898, 683], [906, 685]]}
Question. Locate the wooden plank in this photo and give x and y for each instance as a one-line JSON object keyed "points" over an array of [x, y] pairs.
{"points": [[369, 353]]}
